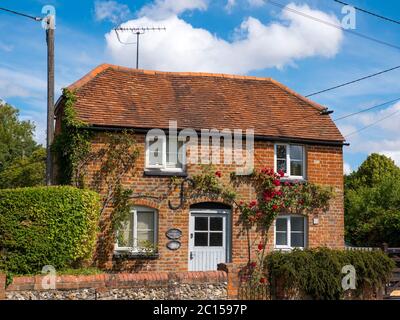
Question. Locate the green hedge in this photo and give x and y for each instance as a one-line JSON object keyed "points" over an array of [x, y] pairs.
{"points": [[317, 272], [46, 226]]}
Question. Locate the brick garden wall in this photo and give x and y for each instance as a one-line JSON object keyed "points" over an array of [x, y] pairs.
{"points": [[324, 166], [209, 285]]}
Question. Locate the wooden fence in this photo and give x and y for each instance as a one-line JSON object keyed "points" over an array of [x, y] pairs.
{"points": [[249, 292], [362, 248], [393, 287]]}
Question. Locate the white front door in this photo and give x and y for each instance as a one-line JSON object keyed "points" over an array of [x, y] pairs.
{"points": [[208, 239]]}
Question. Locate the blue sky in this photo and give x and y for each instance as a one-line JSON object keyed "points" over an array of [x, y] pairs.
{"points": [[243, 37]]}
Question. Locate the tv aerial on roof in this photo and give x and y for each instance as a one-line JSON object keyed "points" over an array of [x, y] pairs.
{"points": [[138, 31]]}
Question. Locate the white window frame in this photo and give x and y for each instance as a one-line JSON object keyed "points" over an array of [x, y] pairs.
{"points": [[289, 232], [135, 248], [163, 166], [288, 160]]}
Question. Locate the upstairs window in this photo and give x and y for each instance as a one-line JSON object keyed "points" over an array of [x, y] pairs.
{"points": [[164, 153], [290, 158]]}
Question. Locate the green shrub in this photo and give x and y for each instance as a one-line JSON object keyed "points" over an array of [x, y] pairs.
{"points": [[317, 272], [47, 226]]}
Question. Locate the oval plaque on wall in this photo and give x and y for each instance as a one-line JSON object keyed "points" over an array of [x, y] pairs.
{"points": [[174, 234], [173, 245]]}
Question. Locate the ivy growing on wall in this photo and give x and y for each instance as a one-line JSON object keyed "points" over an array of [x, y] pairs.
{"points": [[72, 145], [116, 158]]}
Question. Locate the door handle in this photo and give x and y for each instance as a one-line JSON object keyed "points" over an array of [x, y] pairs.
{"points": [[191, 255]]}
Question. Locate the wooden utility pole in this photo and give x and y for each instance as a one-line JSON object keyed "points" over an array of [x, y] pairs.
{"points": [[50, 96], [49, 23]]}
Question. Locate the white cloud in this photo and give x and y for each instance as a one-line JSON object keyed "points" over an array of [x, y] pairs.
{"points": [[394, 155], [186, 48], [230, 4], [6, 47], [346, 129], [18, 84], [381, 137], [347, 168], [390, 123], [256, 3], [162, 9], [111, 11], [30, 88]]}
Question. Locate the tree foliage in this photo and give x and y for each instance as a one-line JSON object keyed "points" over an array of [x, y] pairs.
{"points": [[373, 214], [372, 203], [372, 171], [25, 172], [22, 160]]}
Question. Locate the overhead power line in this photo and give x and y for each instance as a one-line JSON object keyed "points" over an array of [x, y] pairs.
{"points": [[333, 25], [22, 14], [354, 81], [369, 12], [365, 110], [308, 125], [50, 19], [373, 123]]}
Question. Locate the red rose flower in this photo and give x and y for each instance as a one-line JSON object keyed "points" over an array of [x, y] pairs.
{"points": [[267, 171], [263, 280], [253, 264], [218, 174], [264, 170], [276, 182], [253, 203], [267, 195], [260, 246], [281, 173], [275, 207]]}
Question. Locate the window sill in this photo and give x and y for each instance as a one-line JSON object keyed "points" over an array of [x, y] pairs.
{"points": [[288, 249], [136, 255], [162, 173], [293, 179]]}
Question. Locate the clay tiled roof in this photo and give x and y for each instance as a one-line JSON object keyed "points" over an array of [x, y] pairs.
{"points": [[123, 97]]}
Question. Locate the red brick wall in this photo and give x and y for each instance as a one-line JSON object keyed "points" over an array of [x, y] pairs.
{"points": [[112, 281], [324, 166]]}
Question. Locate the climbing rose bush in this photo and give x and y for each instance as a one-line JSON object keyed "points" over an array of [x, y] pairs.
{"points": [[273, 195]]}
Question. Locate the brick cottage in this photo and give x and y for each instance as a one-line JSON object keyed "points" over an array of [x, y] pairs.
{"points": [[290, 132]]}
